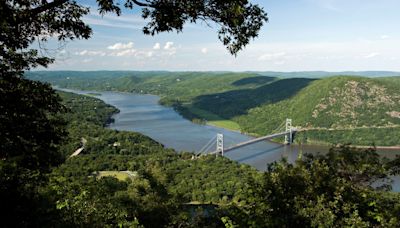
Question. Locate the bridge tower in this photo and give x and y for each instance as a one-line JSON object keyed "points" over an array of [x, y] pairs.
{"points": [[220, 144], [288, 137]]}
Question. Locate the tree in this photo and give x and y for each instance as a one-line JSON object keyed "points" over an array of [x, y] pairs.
{"points": [[29, 134]]}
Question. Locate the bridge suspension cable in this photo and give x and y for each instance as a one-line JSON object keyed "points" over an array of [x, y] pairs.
{"points": [[285, 129], [280, 127], [206, 147]]}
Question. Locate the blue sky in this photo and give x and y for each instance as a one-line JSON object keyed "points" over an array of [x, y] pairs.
{"points": [[301, 35]]}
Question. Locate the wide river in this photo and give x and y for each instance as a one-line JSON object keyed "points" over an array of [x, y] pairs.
{"points": [[142, 113]]}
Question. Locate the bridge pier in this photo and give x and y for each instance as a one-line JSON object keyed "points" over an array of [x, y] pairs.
{"points": [[289, 129], [220, 144]]}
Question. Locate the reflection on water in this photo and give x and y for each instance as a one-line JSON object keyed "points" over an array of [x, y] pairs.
{"points": [[142, 113]]}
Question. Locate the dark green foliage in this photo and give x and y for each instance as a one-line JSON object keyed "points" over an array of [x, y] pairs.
{"points": [[87, 109], [30, 130], [210, 180], [331, 191], [30, 126]]}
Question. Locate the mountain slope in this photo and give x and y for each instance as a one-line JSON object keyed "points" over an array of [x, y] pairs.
{"points": [[336, 103]]}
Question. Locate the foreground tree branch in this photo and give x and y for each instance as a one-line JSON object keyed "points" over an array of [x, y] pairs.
{"points": [[45, 7]]}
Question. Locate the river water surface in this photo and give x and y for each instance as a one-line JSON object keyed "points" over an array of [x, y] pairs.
{"points": [[142, 113]]}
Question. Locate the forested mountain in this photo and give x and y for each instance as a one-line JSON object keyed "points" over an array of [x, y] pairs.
{"points": [[339, 109], [342, 109]]}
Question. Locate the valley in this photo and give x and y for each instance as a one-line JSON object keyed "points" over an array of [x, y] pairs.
{"points": [[331, 110]]}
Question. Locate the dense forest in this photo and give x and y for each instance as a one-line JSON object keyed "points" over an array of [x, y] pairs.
{"points": [[126, 179], [330, 110]]}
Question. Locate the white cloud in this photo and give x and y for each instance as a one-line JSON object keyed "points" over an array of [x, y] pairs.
{"points": [[90, 53], [121, 46], [156, 46], [169, 48], [204, 50], [267, 57], [371, 55], [169, 45], [384, 37], [127, 52]]}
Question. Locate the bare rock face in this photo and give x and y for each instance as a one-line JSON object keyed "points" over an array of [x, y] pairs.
{"points": [[357, 99]]}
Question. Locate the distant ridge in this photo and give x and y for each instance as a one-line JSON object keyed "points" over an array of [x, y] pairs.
{"points": [[322, 74], [294, 74]]}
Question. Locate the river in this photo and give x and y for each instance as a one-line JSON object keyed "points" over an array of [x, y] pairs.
{"points": [[142, 113]]}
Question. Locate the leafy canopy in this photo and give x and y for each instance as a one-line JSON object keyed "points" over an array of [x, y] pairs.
{"points": [[238, 20], [24, 22]]}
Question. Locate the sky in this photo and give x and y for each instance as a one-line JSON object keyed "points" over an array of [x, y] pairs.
{"points": [[301, 35]]}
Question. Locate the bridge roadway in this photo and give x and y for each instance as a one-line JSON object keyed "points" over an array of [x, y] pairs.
{"points": [[242, 144]]}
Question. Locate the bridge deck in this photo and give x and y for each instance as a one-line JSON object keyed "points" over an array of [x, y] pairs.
{"points": [[242, 144]]}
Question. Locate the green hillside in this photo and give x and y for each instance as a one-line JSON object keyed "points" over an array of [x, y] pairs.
{"points": [[336, 110], [365, 110]]}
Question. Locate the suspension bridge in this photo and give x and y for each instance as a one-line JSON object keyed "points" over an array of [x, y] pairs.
{"points": [[285, 129]]}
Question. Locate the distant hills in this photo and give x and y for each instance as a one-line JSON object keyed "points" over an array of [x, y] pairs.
{"points": [[320, 74], [333, 109]]}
